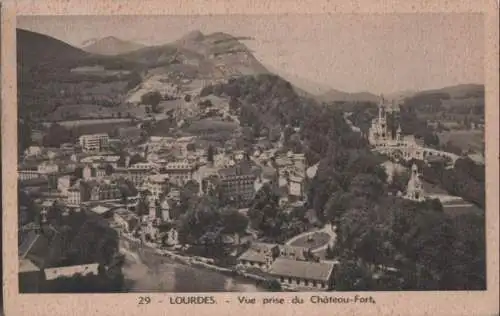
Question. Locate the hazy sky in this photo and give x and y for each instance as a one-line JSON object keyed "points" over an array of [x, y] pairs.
{"points": [[376, 53]]}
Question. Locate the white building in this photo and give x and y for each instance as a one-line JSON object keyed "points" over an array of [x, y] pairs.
{"points": [[157, 184], [180, 172], [94, 142], [415, 190], [33, 151], [64, 183], [47, 167], [400, 147], [102, 160]]}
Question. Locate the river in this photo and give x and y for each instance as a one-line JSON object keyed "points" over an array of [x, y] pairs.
{"points": [[146, 271]]}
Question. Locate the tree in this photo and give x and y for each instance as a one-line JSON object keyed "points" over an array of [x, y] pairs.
{"points": [[431, 139], [153, 99], [142, 207], [136, 158], [56, 136], [399, 181], [233, 222], [201, 218], [109, 169], [210, 154], [329, 255], [264, 213], [24, 136], [368, 186], [352, 276]]}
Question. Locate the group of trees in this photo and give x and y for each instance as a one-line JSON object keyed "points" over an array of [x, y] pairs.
{"points": [[377, 232], [262, 101], [205, 222], [152, 99], [466, 179], [350, 190], [267, 217], [57, 135], [402, 245], [79, 238]]}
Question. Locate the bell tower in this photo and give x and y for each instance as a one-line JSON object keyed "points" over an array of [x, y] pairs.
{"points": [[415, 189], [382, 119], [399, 134]]}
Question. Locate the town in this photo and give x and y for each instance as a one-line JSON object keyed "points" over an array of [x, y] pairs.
{"points": [[192, 167], [143, 190]]}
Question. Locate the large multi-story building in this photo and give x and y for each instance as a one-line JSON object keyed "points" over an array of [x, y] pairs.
{"points": [[236, 184], [136, 173], [101, 160], [77, 194], [179, 172], [96, 171], [104, 190], [93, 190], [94, 142]]}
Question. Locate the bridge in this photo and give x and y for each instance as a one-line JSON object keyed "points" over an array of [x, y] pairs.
{"points": [[418, 152]]}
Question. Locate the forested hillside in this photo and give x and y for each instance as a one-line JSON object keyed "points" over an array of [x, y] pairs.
{"points": [[377, 232]]}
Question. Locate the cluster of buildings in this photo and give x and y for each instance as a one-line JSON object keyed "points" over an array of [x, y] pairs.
{"points": [[87, 176], [94, 176], [295, 267]]}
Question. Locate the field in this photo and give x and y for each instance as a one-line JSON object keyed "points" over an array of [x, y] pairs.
{"points": [[465, 139], [81, 127]]}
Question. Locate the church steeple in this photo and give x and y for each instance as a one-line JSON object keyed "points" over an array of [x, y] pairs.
{"points": [[399, 133], [414, 190]]}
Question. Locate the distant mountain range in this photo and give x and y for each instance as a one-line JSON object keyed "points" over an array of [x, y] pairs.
{"points": [[110, 46], [460, 91], [340, 96], [195, 55]]}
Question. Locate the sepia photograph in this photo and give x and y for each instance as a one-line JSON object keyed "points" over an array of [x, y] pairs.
{"points": [[251, 153]]}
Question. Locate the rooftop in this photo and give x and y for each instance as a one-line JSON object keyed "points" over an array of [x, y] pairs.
{"points": [[68, 271], [253, 256], [295, 252], [26, 265], [318, 271], [94, 135], [261, 246], [100, 209]]}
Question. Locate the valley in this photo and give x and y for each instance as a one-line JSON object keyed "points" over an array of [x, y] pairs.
{"points": [[198, 152]]}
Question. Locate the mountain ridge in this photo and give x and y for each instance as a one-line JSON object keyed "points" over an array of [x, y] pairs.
{"points": [[34, 49], [110, 46]]}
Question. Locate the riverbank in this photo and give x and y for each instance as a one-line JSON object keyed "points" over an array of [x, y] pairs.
{"points": [[151, 269]]}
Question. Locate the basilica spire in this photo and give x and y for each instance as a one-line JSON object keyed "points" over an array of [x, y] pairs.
{"points": [[414, 190]]}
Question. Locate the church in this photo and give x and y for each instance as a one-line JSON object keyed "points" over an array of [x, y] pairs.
{"points": [[398, 146], [415, 190]]}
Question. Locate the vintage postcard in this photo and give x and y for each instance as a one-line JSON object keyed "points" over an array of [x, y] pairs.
{"points": [[239, 158]]}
